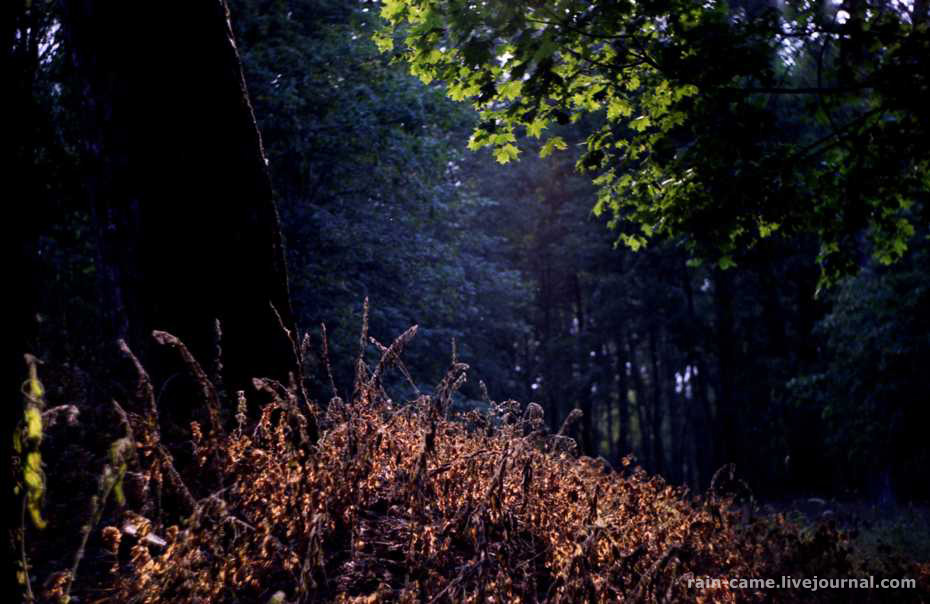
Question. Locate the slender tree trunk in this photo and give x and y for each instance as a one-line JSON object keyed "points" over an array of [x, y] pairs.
{"points": [[678, 420], [703, 431], [607, 378], [623, 396], [809, 312], [727, 445], [586, 375], [645, 432], [772, 311], [548, 370], [178, 184], [658, 447]]}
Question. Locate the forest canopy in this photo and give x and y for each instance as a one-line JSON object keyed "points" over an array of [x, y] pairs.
{"points": [[721, 122]]}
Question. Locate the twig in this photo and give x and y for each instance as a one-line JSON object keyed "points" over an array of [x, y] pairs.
{"points": [[206, 386], [289, 404], [301, 381], [167, 462], [30, 597], [218, 360], [106, 483], [391, 356], [361, 371], [329, 368], [144, 390], [467, 572]]}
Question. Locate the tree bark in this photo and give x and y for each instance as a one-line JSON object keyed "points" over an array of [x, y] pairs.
{"points": [[586, 377], [623, 396], [727, 443], [178, 185], [19, 37], [658, 448], [642, 417], [703, 428]]}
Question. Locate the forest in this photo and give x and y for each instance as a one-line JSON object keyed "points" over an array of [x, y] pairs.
{"points": [[460, 301]]}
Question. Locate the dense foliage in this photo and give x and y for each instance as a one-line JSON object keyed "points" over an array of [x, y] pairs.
{"points": [[725, 121], [871, 383], [365, 164]]}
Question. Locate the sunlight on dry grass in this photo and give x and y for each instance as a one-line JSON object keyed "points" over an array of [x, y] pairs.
{"points": [[371, 501]]}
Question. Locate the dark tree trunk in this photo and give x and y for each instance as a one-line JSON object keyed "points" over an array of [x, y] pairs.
{"points": [[727, 442], [606, 380], [623, 397], [178, 185], [586, 378], [642, 417], [658, 448], [809, 312], [547, 335], [703, 415], [772, 310], [19, 36], [679, 419]]}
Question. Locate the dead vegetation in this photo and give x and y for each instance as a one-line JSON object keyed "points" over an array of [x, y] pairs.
{"points": [[368, 500]]}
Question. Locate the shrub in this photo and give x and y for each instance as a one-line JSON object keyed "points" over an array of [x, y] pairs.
{"points": [[368, 500]]}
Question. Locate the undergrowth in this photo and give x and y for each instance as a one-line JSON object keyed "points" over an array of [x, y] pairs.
{"points": [[370, 500]]}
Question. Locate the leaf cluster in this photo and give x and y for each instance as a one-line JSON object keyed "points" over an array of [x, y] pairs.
{"points": [[723, 122]]}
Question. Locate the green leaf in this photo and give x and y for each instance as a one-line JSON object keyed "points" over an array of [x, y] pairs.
{"points": [[393, 10], [536, 127], [506, 153], [511, 89], [634, 242], [556, 142], [618, 108], [641, 123], [383, 40]]}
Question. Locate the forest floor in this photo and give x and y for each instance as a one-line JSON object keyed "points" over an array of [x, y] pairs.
{"points": [[369, 501]]}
